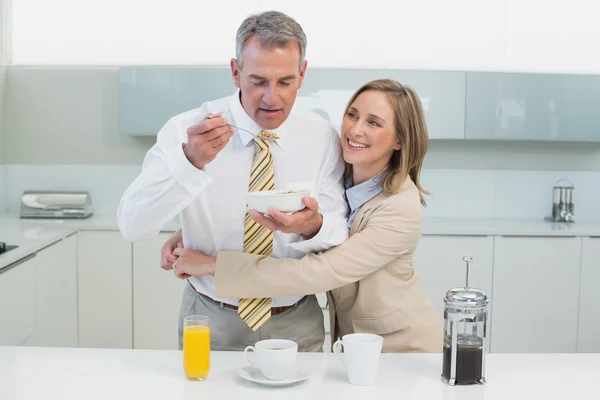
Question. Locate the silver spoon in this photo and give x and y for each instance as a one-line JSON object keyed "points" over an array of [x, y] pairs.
{"points": [[245, 130]]}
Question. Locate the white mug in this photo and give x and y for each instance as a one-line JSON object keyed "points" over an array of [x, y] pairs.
{"points": [[275, 358], [362, 352]]}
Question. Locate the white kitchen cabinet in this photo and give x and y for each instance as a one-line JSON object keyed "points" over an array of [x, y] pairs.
{"points": [[439, 265], [156, 297], [528, 106], [17, 302], [589, 297], [56, 295], [536, 294], [105, 290]]}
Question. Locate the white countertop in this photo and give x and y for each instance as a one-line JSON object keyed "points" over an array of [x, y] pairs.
{"points": [[32, 235], [33, 373], [509, 227]]}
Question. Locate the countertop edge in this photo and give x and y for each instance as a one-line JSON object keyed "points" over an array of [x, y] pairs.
{"points": [[61, 228]]}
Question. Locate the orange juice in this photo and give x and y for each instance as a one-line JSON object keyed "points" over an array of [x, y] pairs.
{"points": [[196, 351]]}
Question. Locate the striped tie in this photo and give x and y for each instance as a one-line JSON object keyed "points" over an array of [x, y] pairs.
{"points": [[257, 238]]}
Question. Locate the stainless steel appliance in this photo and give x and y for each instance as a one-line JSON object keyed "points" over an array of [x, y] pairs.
{"points": [[465, 331], [56, 204], [563, 202], [6, 247]]}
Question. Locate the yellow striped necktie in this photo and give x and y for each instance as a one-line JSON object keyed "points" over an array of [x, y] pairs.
{"points": [[257, 238]]}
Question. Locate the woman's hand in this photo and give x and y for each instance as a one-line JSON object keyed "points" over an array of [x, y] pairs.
{"points": [[193, 263]]}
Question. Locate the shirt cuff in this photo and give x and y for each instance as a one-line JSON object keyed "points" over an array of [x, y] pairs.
{"points": [[186, 174], [327, 237]]}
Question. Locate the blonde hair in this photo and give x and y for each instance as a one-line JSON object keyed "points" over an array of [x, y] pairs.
{"points": [[411, 133]]}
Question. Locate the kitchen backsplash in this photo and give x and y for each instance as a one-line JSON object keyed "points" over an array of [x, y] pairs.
{"points": [[106, 183], [455, 193], [62, 132]]}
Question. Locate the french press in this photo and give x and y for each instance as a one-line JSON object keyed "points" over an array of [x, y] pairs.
{"points": [[465, 325]]}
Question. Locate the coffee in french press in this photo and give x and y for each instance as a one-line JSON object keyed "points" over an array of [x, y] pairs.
{"points": [[465, 331]]}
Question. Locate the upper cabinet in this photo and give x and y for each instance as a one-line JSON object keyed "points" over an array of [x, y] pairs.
{"points": [[457, 104], [149, 96], [540, 107], [327, 92]]}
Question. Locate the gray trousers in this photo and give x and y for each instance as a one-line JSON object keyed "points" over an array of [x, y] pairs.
{"points": [[303, 324]]}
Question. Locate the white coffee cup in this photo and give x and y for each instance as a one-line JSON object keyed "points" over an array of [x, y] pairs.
{"points": [[362, 352], [275, 358]]}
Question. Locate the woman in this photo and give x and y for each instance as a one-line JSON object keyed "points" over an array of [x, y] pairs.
{"points": [[370, 278]]}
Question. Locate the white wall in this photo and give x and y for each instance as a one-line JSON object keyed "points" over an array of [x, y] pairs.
{"points": [[67, 116], [504, 35], [106, 183]]}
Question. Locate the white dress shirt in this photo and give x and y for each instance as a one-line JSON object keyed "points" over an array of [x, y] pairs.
{"points": [[212, 201]]}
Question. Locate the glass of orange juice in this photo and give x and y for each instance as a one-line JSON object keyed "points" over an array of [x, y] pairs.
{"points": [[196, 347]]}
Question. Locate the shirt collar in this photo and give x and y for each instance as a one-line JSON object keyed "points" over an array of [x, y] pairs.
{"points": [[243, 121], [358, 195]]}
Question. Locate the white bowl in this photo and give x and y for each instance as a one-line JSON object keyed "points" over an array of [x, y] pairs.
{"points": [[281, 200]]}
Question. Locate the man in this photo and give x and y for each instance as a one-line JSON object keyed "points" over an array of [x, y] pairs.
{"points": [[205, 161]]}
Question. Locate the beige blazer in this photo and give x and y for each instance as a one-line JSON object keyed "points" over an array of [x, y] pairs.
{"points": [[371, 282]]}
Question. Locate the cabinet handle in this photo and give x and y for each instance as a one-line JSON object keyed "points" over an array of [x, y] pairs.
{"points": [[462, 235], [16, 263], [540, 236]]}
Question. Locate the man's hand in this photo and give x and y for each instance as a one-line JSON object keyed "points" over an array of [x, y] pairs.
{"points": [[193, 263], [206, 139], [306, 222], [167, 258]]}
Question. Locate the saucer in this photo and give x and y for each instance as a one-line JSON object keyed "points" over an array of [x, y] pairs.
{"points": [[254, 375]]}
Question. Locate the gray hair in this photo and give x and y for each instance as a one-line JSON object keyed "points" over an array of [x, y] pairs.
{"points": [[274, 29]]}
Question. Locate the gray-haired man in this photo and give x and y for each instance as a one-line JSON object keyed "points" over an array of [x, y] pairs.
{"points": [[202, 168]]}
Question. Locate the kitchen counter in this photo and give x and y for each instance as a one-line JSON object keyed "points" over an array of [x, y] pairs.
{"points": [[32, 235], [28, 373], [509, 227]]}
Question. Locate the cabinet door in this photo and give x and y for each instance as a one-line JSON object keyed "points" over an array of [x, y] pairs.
{"points": [[104, 283], [439, 264], [56, 295], [156, 297], [17, 302], [589, 298], [536, 294], [520, 106], [442, 93]]}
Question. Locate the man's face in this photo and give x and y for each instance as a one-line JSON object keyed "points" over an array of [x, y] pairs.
{"points": [[269, 81]]}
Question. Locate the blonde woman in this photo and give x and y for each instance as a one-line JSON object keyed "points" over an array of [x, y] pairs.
{"points": [[370, 280]]}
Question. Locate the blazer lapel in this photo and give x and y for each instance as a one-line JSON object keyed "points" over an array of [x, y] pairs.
{"points": [[362, 216], [360, 219]]}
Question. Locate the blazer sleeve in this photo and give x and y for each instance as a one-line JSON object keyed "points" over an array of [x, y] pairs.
{"points": [[392, 230]]}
